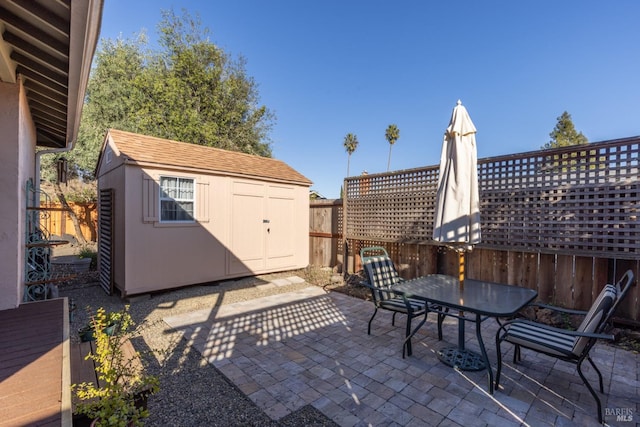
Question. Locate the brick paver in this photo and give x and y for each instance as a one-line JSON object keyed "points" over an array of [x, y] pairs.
{"points": [[311, 347]]}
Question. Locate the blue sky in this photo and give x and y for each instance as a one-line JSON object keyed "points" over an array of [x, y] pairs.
{"points": [[327, 68]]}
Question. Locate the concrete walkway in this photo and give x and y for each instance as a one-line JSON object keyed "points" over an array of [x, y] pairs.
{"points": [[311, 347]]}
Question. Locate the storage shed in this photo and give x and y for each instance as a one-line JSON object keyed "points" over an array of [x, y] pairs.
{"points": [[174, 214]]}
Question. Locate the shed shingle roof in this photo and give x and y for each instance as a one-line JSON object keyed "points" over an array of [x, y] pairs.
{"points": [[152, 151]]}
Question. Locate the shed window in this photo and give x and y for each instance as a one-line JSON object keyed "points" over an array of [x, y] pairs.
{"points": [[177, 198]]}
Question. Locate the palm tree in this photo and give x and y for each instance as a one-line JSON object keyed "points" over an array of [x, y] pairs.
{"points": [[392, 134], [350, 144]]}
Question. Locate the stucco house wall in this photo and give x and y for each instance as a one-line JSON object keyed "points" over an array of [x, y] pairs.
{"points": [[43, 77], [16, 152], [247, 219]]}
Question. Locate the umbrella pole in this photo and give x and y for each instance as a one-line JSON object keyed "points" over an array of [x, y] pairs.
{"points": [[461, 280], [461, 268], [459, 357]]}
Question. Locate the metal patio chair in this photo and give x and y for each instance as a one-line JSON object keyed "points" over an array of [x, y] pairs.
{"points": [[563, 344], [381, 277]]}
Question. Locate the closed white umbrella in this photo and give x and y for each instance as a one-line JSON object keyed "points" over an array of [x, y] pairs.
{"points": [[457, 213]]}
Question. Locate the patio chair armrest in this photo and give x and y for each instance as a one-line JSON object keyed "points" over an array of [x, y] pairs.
{"points": [[439, 309], [367, 285], [608, 337], [557, 308], [409, 306], [376, 289]]}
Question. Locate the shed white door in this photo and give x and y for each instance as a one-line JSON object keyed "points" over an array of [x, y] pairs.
{"points": [[281, 214], [262, 232]]}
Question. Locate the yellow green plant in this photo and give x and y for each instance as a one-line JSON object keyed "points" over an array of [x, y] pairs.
{"points": [[114, 403]]}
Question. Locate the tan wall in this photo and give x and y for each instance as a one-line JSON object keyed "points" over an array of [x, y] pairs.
{"points": [[302, 226], [162, 256], [26, 170], [17, 154], [151, 256], [111, 174]]}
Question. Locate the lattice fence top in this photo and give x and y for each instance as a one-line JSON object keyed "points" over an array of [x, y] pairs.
{"points": [[581, 200]]}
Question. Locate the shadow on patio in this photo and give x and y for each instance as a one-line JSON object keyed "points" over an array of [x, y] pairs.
{"points": [[309, 347]]}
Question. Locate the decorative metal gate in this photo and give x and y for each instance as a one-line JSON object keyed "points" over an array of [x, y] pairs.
{"points": [[105, 240], [39, 277]]}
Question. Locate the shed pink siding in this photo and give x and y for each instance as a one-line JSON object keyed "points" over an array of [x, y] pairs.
{"points": [[244, 224]]}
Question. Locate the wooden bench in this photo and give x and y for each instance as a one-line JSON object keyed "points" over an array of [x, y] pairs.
{"points": [[83, 369]]}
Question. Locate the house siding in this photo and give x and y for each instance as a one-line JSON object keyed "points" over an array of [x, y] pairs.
{"points": [[16, 152]]}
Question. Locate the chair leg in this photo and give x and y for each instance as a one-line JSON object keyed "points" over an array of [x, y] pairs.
{"points": [[598, 372], [393, 318], [410, 333], [407, 337], [371, 320], [591, 390], [441, 316], [499, 361]]}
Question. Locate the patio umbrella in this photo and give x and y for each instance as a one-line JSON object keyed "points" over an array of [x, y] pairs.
{"points": [[457, 212]]}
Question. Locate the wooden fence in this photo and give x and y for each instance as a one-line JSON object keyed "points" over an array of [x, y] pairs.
{"points": [[563, 279], [325, 233], [59, 222], [562, 221]]}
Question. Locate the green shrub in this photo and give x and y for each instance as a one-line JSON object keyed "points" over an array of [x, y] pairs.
{"points": [[114, 402], [89, 252]]}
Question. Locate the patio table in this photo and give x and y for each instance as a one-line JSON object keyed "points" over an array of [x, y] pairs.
{"points": [[479, 299]]}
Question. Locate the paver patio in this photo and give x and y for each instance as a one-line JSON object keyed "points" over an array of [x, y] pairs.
{"points": [[311, 347]]}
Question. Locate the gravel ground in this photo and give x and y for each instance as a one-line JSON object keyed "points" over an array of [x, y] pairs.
{"points": [[192, 392]]}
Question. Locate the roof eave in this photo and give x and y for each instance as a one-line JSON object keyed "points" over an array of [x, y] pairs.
{"points": [[49, 46], [86, 17]]}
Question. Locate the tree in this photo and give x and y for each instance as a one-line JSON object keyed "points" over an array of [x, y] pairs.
{"points": [[350, 144], [189, 90], [392, 134], [565, 134]]}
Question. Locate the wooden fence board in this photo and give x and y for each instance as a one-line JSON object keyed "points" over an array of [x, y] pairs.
{"points": [[600, 276], [427, 260], [529, 270], [500, 267], [473, 263], [448, 262], [583, 282], [485, 272], [514, 272], [564, 281], [60, 223], [406, 262], [629, 307], [546, 277]]}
